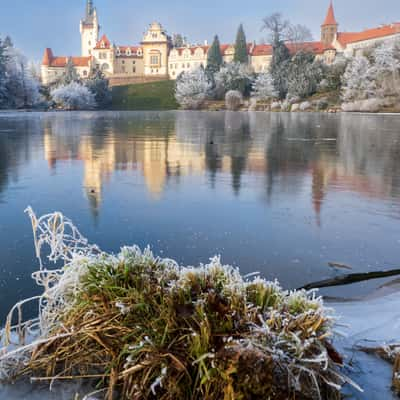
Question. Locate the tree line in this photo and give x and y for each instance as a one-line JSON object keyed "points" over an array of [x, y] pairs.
{"points": [[365, 82], [21, 88]]}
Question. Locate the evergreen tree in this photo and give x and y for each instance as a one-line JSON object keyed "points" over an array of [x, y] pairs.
{"points": [[241, 55], [214, 56], [8, 42], [70, 74], [99, 86], [279, 67]]}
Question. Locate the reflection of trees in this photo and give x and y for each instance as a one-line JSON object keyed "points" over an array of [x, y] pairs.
{"points": [[18, 140], [237, 132], [288, 150]]}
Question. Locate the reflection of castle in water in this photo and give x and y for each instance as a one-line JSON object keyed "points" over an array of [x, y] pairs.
{"points": [[277, 153]]}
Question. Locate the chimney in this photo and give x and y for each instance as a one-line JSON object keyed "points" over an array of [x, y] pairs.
{"points": [[206, 42]]}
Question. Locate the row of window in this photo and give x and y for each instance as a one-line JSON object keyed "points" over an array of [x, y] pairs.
{"points": [[129, 52], [133, 62], [183, 65]]}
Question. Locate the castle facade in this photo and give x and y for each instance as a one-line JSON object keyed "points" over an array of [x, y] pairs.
{"points": [[156, 57]]}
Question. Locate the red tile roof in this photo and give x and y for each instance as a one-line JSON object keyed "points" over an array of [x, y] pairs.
{"points": [[345, 38], [262, 50], [48, 56], [103, 43], [330, 16], [313, 47], [60, 62]]}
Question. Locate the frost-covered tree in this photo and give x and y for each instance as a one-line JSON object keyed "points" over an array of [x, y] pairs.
{"points": [[192, 89], [359, 80], [74, 96], [234, 76], [303, 75], [178, 40], [21, 84], [214, 56], [70, 74], [98, 84], [263, 87], [387, 68], [3, 75], [241, 55]]}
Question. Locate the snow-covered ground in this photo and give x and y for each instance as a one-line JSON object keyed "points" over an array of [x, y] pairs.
{"points": [[371, 322]]}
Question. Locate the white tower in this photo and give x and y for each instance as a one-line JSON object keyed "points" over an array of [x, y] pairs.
{"points": [[89, 28]]}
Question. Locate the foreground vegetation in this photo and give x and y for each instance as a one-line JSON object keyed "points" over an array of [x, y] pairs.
{"points": [[145, 328], [145, 96]]}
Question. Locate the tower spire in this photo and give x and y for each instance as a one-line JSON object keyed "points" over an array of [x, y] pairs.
{"points": [[330, 16], [89, 9]]}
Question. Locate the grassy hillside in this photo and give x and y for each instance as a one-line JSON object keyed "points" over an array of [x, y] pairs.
{"points": [[145, 96]]}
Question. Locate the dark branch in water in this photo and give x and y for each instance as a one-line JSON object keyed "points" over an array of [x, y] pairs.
{"points": [[351, 278]]}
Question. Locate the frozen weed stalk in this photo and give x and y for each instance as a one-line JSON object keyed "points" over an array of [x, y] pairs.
{"points": [[143, 327]]}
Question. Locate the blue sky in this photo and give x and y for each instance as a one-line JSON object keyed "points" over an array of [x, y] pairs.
{"points": [[36, 24]]}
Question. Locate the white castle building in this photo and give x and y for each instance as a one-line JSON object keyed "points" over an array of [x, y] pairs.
{"points": [[156, 58]]}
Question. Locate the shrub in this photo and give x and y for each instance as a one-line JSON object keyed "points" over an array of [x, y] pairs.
{"points": [[192, 89], [368, 105], [321, 104], [233, 100], [285, 106], [233, 76], [276, 105], [305, 105], [263, 87], [74, 96]]}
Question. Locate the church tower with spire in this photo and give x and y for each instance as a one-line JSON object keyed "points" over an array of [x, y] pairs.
{"points": [[329, 28], [89, 29]]}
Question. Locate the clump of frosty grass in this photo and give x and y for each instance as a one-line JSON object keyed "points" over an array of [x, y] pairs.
{"points": [[142, 327]]}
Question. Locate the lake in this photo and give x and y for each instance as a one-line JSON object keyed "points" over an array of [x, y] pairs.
{"points": [[278, 193]]}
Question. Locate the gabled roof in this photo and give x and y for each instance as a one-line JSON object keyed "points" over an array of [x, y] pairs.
{"points": [[312, 47], [60, 61], [47, 57], [330, 16], [262, 50], [345, 38], [103, 43]]}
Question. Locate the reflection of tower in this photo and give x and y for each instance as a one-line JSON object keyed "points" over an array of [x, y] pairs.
{"points": [[98, 165], [155, 166], [318, 192]]}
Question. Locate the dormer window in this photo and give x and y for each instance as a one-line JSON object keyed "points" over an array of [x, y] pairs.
{"points": [[128, 52], [103, 45], [118, 51], [139, 52]]}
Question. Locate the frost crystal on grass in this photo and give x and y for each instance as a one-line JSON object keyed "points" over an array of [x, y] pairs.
{"points": [[146, 328]]}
